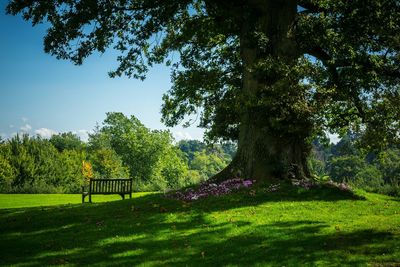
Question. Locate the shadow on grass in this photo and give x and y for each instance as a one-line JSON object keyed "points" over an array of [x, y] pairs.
{"points": [[286, 193], [140, 231]]}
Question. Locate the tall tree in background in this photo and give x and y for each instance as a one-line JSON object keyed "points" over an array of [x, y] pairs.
{"points": [[146, 155], [270, 74], [66, 141]]}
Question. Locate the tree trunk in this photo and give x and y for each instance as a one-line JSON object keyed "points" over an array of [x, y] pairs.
{"points": [[272, 135], [262, 156]]}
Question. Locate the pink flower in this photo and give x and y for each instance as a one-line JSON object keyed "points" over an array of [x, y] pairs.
{"points": [[207, 189], [247, 183]]}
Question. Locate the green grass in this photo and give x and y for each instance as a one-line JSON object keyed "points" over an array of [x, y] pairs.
{"points": [[292, 227], [29, 200]]}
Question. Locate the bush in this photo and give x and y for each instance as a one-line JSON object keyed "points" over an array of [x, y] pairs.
{"points": [[390, 190], [39, 186]]}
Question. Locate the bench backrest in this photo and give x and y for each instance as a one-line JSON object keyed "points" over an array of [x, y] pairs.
{"points": [[107, 186]]}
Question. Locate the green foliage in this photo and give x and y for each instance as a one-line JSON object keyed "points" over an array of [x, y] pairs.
{"points": [[66, 141], [22, 161], [350, 161], [207, 164], [34, 165], [317, 167], [7, 174], [194, 177], [189, 147], [205, 160], [346, 146], [107, 164], [389, 164], [71, 170], [150, 157], [345, 168], [173, 169], [368, 178]]}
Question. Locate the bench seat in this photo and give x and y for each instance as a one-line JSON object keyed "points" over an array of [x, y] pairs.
{"points": [[121, 186]]}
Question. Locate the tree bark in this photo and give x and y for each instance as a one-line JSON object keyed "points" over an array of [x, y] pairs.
{"points": [[267, 149]]}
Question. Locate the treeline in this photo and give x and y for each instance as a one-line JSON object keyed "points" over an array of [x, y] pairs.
{"points": [[124, 147], [121, 147], [349, 161]]}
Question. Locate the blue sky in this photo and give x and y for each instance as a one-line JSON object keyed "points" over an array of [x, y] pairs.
{"points": [[42, 95]]}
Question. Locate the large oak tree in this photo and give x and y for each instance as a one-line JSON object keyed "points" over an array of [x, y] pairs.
{"points": [[271, 74]]}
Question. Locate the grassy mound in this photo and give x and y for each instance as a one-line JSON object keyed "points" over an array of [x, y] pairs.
{"points": [[289, 227]]}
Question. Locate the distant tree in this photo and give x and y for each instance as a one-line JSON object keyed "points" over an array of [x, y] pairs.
{"points": [[207, 163], [368, 178], [22, 161], [7, 175], [172, 169], [66, 141], [98, 140], [346, 146], [71, 177], [107, 164], [35, 163], [268, 74], [389, 164], [345, 168], [322, 148], [151, 158], [189, 147]]}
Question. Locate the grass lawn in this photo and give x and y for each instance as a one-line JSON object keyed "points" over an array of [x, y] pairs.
{"points": [[28, 200], [291, 227]]}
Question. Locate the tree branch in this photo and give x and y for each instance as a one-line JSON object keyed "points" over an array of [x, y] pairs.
{"points": [[326, 59]]}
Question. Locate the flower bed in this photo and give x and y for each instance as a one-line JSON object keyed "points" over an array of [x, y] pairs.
{"points": [[212, 189]]}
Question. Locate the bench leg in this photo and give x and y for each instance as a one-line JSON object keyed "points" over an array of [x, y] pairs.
{"points": [[83, 198], [90, 198], [130, 195]]}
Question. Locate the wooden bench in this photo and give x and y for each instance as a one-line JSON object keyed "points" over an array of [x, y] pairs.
{"points": [[120, 187]]}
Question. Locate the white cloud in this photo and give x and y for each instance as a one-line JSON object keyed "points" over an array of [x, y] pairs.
{"points": [[180, 135], [26, 128], [24, 119], [83, 134], [11, 126], [45, 133]]}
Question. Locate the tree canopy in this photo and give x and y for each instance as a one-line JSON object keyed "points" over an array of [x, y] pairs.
{"points": [[268, 74]]}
